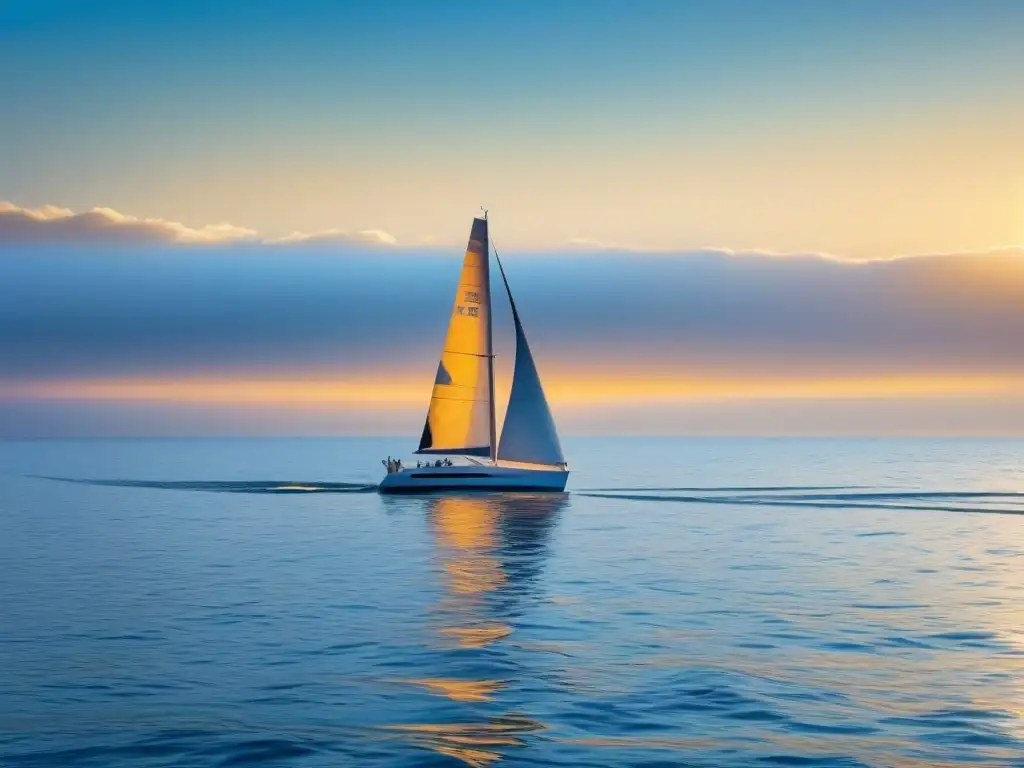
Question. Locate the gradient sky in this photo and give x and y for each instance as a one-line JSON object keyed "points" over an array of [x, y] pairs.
{"points": [[247, 217], [863, 128]]}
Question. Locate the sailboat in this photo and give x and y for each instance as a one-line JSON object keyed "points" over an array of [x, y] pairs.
{"points": [[461, 420]]}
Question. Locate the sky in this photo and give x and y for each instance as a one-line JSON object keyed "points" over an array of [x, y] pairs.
{"points": [[735, 217]]}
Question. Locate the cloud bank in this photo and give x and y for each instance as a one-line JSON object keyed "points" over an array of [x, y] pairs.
{"points": [[149, 339], [94, 313]]}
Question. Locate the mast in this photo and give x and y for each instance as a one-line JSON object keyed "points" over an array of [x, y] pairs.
{"points": [[490, 354]]}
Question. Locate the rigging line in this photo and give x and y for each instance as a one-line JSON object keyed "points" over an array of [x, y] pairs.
{"points": [[460, 399], [467, 354], [497, 258], [504, 279]]}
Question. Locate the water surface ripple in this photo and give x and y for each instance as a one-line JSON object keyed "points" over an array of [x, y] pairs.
{"points": [[693, 603]]}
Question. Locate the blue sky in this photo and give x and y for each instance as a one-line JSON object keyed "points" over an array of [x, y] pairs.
{"points": [[660, 124]]}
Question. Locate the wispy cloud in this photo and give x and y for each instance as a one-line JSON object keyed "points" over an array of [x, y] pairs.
{"points": [[53, 224], [590, 245], [56, 225], [593, 244], [336, 237]]}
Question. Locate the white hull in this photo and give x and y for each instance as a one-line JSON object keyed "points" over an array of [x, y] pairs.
{"points": [[476, 477]]}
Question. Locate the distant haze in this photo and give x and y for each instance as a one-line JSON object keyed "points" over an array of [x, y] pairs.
{"points": [[284, 339]]}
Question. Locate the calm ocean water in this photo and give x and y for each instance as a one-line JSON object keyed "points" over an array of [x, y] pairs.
{"points": [[690, 602]]}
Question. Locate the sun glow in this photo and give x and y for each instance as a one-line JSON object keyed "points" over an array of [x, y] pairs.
{"points": [[571, 390]]}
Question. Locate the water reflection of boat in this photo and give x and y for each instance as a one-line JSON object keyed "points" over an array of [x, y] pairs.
{"points": [[490, 551]]}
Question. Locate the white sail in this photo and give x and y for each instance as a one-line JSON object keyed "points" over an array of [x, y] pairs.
{"points": [[460, 419], [528, 434]]}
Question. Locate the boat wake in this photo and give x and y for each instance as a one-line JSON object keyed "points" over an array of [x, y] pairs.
{"points": [[845, 497], [225, 486], [984, 502], [751, 488]]}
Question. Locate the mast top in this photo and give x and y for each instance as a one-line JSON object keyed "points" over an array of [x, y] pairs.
{"points": [[485, 212]]}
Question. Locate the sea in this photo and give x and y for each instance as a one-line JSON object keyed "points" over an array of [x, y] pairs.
{"points": [[688, 602]]}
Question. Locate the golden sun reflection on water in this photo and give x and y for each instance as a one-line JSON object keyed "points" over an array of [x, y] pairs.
{"points": [[473, 534], [460, 690], [466, 531], [476, 636], [475, 744]]}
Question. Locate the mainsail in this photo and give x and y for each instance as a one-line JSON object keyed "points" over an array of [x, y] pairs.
{"points": [[528, 434], [460, 419]]}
